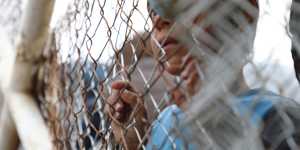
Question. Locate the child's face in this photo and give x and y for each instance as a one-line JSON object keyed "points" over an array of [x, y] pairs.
{"points": [[167, 35], [176, 59]]}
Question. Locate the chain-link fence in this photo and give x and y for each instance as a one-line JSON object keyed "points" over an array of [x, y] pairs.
{"points": [[138, 74]]}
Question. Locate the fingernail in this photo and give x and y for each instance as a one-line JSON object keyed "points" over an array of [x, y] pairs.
{"points": [[119, 106]]}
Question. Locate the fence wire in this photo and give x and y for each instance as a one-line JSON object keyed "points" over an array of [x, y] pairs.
{"points": [[98, 44], [182, 60]]}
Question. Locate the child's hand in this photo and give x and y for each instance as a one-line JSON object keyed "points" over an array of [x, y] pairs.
{"points": [[122, 106]]}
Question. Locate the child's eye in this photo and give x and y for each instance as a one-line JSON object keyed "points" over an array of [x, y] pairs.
{"points": [[152, 13]]}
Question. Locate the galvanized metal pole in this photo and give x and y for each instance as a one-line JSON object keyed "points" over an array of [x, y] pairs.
{"points": [[32, 130], [8, 133]]}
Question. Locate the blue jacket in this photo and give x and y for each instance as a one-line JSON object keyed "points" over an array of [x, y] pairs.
{"points": [[259, 105]]}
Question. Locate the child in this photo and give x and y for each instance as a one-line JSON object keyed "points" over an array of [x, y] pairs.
{"points": [[263, 109]]}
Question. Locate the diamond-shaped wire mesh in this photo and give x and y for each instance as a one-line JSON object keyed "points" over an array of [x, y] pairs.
{"points": [[137, 74], [102, 42]]}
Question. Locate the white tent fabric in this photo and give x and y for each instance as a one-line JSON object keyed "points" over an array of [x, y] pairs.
{"points": [[272, 66]]}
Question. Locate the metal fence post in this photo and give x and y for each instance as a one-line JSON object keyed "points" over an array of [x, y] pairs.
{"points": [[9, 138], [32, 130]]}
